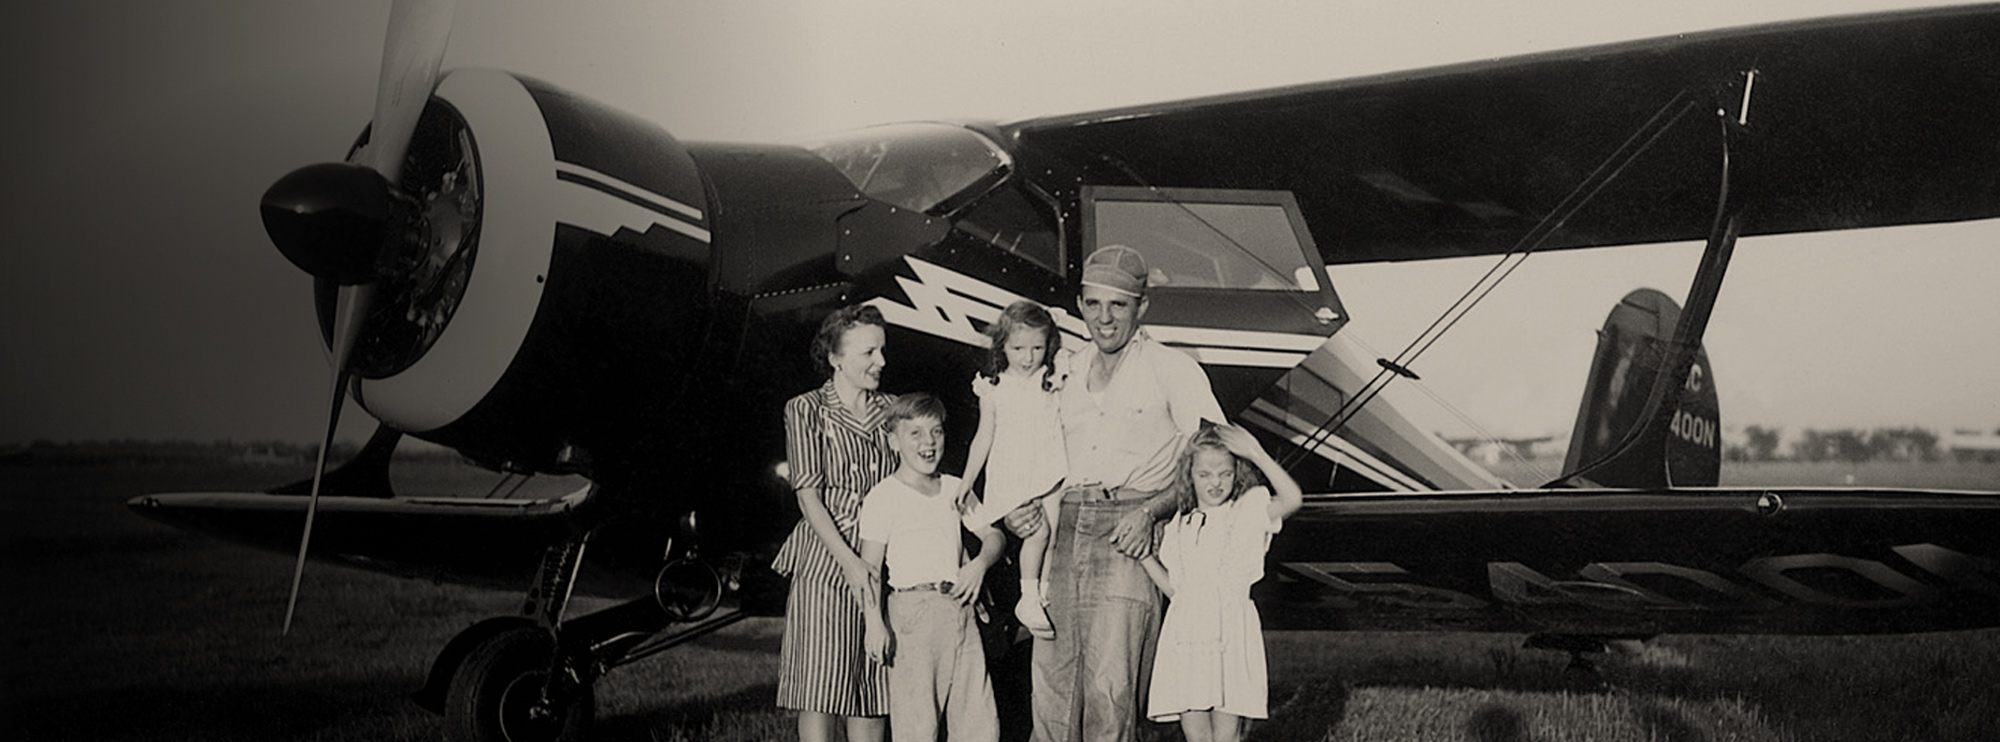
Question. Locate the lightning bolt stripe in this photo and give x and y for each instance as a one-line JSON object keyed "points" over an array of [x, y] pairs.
{"points": [[648, 198], [945, 303], [601, 203]]}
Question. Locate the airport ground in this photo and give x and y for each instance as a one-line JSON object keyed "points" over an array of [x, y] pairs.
{"points": [[116, 628]]}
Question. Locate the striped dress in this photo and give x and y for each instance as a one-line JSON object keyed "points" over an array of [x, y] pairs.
{"points": [[822, 666]]}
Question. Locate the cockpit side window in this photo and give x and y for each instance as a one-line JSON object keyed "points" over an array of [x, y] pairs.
{"points": [[924, 167], [1242, 240]]}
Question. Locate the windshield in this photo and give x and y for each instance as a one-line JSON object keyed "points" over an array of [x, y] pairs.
{"points": [[915, 166], [1207, 239]]}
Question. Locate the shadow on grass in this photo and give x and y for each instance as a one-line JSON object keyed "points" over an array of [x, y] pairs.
{"points": [[1666, 724], [1307, 710], [234, 711], [1497, 723], [699, 718]]}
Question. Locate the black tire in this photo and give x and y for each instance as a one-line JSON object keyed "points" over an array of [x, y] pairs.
{"points": [[497, 684]]}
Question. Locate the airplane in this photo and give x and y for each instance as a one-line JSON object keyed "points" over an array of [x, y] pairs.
{"points": [[550, 286]]}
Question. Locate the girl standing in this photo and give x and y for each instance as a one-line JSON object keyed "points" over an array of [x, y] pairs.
{"points": [[1210, 671], [836, 450], [1021, 435]]}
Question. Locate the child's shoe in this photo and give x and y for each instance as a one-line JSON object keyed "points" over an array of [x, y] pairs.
{"points": [[1029, 611]]}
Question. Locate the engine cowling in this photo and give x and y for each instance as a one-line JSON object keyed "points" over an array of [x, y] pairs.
{"points": [[562, 287]]}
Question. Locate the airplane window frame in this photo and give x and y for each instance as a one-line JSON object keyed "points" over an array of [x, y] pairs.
{"points": [[1308, 256]]}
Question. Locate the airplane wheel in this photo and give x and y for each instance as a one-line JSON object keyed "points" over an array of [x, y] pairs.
{"points": [[494, 692]]}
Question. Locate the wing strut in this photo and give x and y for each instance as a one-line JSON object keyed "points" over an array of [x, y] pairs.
{"points": [[1647, 439], [1613, 165]]}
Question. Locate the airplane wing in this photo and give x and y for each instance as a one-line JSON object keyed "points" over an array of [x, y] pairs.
{"points": [[487, 542], [1854, 122], [1636, 562]]}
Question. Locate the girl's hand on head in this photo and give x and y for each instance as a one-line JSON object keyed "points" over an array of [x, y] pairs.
{"points": [[1239, 440]]}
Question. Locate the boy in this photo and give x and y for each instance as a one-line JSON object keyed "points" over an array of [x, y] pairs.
{"points": [[911, 519]]}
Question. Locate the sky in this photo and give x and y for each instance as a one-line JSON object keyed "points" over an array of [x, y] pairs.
{"points": [[140, 298]]}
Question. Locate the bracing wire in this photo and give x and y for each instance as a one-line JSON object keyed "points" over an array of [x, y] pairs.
{"points": [[1639, 141]]}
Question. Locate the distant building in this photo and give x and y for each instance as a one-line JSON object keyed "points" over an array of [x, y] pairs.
{"points": [[1491, 451], [1973, 445], [266, 455]]}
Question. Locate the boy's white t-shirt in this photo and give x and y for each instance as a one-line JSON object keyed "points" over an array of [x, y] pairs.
{"points": [[921, 531]]}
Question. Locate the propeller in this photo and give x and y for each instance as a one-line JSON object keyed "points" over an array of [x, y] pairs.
{"points": [[337, 220]]}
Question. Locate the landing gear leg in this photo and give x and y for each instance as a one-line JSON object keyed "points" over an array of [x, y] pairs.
{"points": [[504, 691], [518, 682]]}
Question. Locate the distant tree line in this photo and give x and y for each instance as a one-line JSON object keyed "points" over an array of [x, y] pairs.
{"points": [[1847, 444]]}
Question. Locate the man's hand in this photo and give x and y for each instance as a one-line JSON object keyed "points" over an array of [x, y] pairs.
{"points": [[1133, 536], [965, 588], [1026, 520]]}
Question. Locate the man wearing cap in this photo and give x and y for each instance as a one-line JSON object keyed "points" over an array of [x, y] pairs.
{"points": [[1128, 406]]}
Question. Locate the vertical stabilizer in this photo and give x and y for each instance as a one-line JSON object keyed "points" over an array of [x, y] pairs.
{"points": [[1624, 437]]}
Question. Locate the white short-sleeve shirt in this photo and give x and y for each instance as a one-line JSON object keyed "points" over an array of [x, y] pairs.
{"points": [[920, 531]]}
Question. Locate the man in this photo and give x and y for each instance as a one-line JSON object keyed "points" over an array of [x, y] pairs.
{"points": [[1128, 406]]}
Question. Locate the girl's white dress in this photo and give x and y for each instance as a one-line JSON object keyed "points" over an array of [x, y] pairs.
{"points": [[1211, 655], [1028, 459]]}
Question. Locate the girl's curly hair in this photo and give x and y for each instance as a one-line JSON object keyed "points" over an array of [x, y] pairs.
{"points": [[1018, 315], [1207, 439]]}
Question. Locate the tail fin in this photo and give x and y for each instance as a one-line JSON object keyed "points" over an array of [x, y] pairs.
{"points": [[1629, 434]]}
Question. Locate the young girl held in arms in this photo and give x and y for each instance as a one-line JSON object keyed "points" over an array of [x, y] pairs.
{"points": [[1210, 671], [1021, 436]]}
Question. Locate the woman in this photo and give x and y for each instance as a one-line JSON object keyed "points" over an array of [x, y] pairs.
{"points": [[836, 451]]}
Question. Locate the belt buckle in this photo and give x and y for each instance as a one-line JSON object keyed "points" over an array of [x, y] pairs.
{"points": [[944, 587]]}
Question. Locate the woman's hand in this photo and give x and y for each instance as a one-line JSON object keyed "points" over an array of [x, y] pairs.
{"points": [[879, 643], [860, 581]]}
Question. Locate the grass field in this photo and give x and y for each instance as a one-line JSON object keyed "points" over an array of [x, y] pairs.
{"points": [[120, 629]]}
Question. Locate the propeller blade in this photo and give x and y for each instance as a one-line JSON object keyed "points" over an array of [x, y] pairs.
{"points": [[411, 56], [351, 308], [312, 504]]}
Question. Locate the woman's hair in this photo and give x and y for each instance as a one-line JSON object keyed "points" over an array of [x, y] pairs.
{"points": [[1017, 315], [836, 324], [1206, 439]]}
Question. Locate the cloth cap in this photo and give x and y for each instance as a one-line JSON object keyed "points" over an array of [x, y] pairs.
{"points": [[1116, 267]]}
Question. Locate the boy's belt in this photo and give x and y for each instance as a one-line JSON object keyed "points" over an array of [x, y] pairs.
{"points": [[942, 586], [1098, 493]]}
